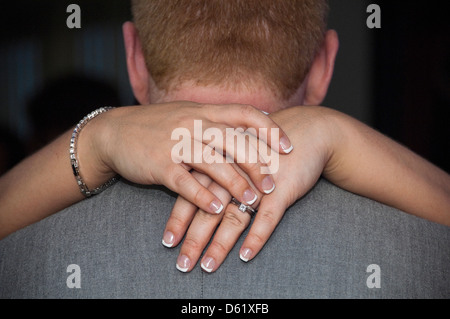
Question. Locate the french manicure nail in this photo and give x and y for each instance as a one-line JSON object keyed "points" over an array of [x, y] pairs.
{"points": [[183, 263], [250, 197], [208, 264], [286, 145], [246, 254], [168, 239], [268, 185], [216, 206]]}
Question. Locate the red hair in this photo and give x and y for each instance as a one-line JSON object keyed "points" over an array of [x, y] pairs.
{"points": [[230, 42]]}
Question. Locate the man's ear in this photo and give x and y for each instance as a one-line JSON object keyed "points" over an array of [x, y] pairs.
{"points": [[137, 69], [321, 72]]}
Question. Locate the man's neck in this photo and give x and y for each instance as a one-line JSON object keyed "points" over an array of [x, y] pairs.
{"points": [[261, 98]]}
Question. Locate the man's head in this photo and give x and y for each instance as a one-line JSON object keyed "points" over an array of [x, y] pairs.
{"points": [[271, 54]]}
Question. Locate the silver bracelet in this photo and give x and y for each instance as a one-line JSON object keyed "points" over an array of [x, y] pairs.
{"points": [[73, 156]]}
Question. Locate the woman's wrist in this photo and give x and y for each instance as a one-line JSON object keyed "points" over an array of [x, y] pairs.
{"points": [[91, 153], [334, 126]]}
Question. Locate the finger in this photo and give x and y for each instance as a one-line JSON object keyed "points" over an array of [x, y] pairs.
{"points": [[228, 177], [248, 116], [199, 233], [181, 216], [212, 163], [245, 149], [269, 214], [258, 163], [233, 223], [182, 182]]}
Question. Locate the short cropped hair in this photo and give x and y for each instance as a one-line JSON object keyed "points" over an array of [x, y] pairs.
{"points": [[230, 42]]}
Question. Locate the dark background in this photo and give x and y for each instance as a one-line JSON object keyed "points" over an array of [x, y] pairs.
{"points": [[396, 79], [412, 76]]}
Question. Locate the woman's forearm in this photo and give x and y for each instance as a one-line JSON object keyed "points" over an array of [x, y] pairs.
{"points": [[40, 185], [375, 166], [134, 142], [44, 184]]}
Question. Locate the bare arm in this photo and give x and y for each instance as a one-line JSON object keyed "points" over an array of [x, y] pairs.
{"points": [[38, 186], [326, 142], [370, 164], [44, 183], [136, 143]]}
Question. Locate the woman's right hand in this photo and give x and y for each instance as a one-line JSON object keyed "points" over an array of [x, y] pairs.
{"points": [[138, 144]]}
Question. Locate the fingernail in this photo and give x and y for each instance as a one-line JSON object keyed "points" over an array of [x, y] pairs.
{"points": [[268, 185], [246, 254], [208, 264], [216, 206], [168, 239], [183, 263], [286, 145], [250, 197]]}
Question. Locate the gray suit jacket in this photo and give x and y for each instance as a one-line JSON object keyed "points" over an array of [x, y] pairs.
{"points": [[330, 244]]}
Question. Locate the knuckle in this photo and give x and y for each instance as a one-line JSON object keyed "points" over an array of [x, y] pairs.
{"points": [[192, 244], [219, 247], [207, 219], [234, 220], [177, 222], [232, 180], [268, 217], [235, 179], [247, 110], [181, 179], [256, 238], [252, 167], [199, 195], [203, 179]]}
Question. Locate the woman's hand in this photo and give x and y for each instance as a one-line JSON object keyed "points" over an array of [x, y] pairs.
{"points": [[140, 143], [312, 136], [135, 142], [346, 152]]}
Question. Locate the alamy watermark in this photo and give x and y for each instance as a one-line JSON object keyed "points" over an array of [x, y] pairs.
{"points": [[74, 279], [374, 19], [374, 279], [73, 21], [213, 145]]}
